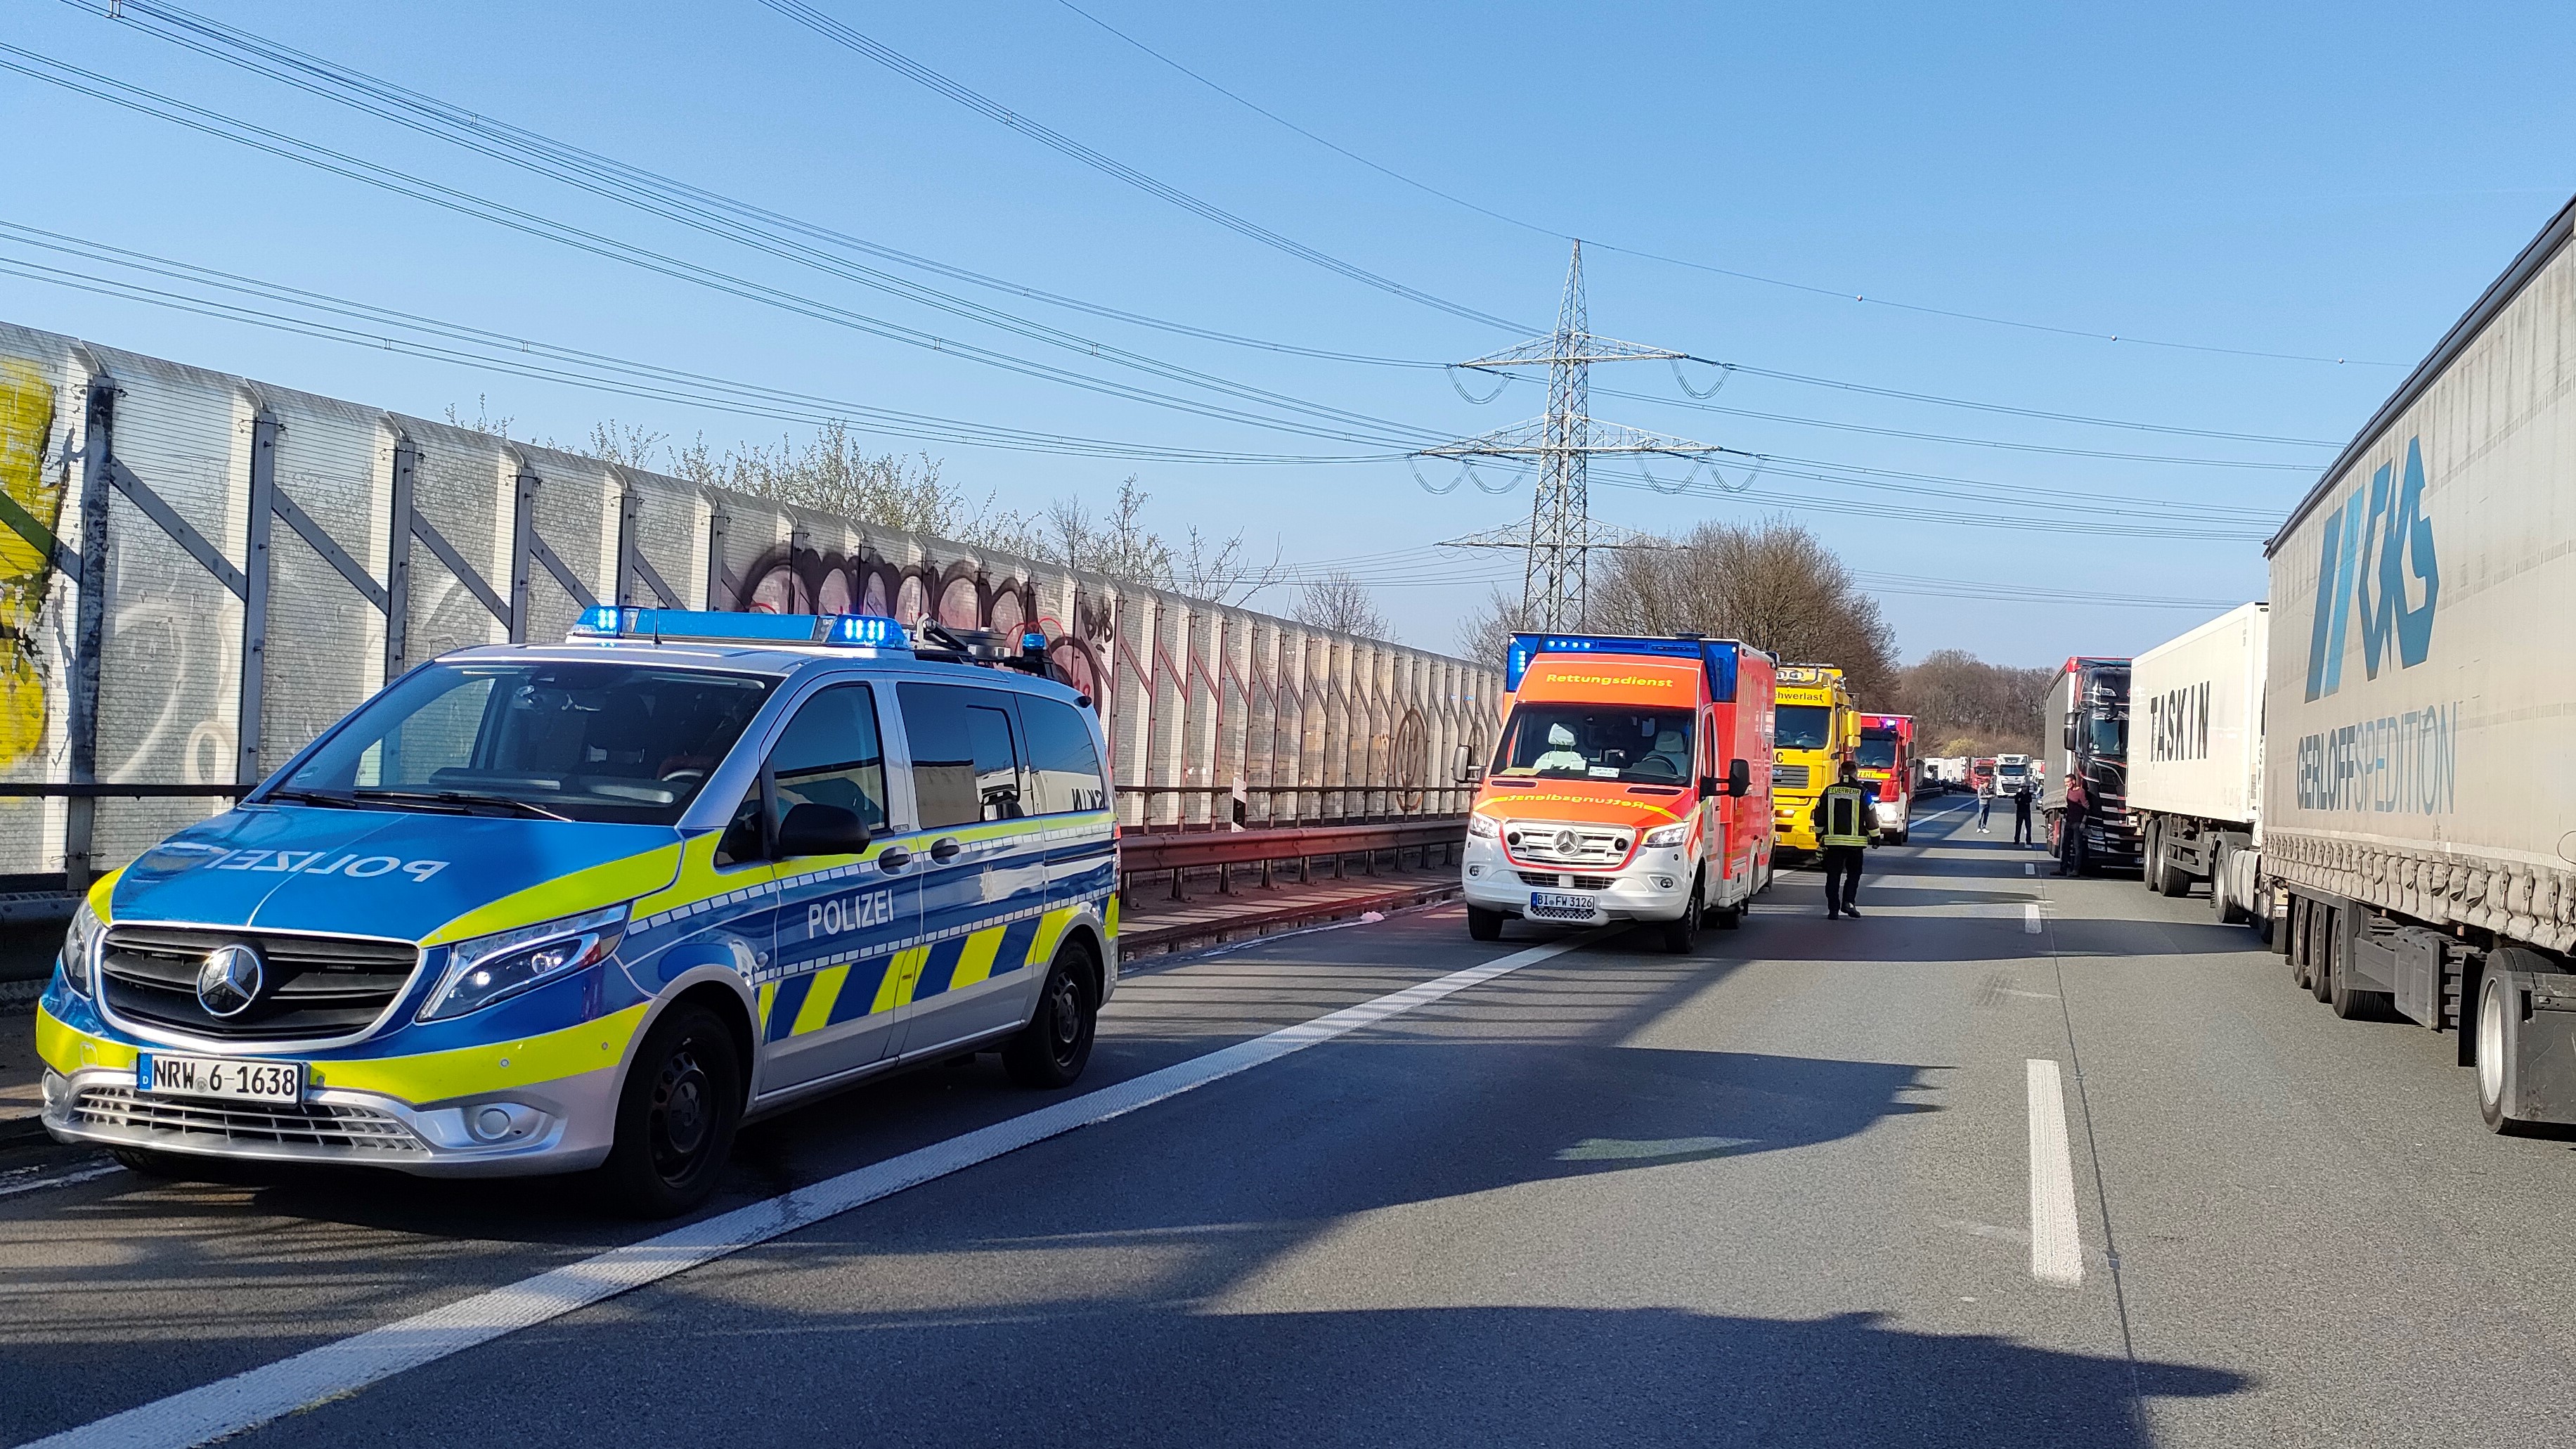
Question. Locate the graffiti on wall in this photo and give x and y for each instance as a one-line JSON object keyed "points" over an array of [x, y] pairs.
{"points": [[33, 506], [792, 580]]}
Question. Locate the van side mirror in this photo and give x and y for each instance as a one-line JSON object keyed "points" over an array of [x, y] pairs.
{"points": [[817, 829], [1462, 767], [1739, 778]]}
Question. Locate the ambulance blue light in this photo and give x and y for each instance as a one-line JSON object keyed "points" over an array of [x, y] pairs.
{"points": [[1717, 656], [868, 631]]}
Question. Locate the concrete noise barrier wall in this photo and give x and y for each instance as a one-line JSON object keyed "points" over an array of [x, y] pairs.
{"points": [[199, 573]]}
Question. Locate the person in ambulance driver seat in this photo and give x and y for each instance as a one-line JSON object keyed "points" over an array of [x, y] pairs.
{"points": [[1842, 819]]}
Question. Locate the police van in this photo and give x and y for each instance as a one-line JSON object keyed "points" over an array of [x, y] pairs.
{"points": [[549, 908]]}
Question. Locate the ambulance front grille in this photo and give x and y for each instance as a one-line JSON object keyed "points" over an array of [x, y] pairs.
{"points": [[1536, 842], [136, 1116], [316, 987]]}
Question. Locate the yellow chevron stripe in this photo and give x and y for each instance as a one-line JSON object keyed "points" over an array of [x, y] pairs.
{"points": [[975, 963], [768, 994], [1050, 931], [1111, 919], [818, 1001], [902, 974]]}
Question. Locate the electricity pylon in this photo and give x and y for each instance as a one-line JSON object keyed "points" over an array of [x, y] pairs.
{"points": [[1555, 587]]}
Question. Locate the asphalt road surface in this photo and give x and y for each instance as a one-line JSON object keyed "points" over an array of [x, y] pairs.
{"points": [[2010, 1160]]}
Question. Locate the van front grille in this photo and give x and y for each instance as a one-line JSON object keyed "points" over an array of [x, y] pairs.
{"points": [[316, 986], [270, 1124]]}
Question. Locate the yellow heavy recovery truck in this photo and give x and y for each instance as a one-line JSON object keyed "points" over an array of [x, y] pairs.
{"points": [[1818, 727]]}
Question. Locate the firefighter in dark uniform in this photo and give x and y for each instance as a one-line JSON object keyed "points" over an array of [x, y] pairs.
{"points": [[1843, 828]]}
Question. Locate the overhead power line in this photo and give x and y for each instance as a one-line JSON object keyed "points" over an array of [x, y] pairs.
{"points": [[375, 328], [1361, 428], [903, 65], [780, 234], [1739, 274]]}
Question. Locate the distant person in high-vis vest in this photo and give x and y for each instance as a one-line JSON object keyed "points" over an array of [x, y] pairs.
{"points": [[1842, 821]]}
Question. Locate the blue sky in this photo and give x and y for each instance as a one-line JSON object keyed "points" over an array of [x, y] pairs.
{"points": [[2328, 181]]}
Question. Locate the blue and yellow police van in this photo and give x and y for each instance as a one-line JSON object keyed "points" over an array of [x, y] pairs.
{"points": [[591, 906]]}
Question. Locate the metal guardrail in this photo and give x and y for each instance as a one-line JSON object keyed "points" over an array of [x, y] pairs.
{"points": [[1302, 845]]}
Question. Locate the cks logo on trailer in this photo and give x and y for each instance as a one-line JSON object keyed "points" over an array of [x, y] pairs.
{"points": [[2368, 553], [230, 980]]}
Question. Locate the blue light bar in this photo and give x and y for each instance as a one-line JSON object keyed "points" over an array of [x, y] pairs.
{"points": [[1716, 656], [868, 631]]}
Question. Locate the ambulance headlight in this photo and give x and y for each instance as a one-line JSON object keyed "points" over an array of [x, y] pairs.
{"points": [[1483, 827], [487, 969], [1665, 837], [80, 948]]}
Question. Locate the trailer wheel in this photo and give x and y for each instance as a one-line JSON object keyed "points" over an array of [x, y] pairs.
{"points": [[2499, 1031], [2323, 931], [2301, 909], [2220, 905]]}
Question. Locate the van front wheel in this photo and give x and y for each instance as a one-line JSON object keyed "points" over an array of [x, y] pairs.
{"points": [[676, 1116]]}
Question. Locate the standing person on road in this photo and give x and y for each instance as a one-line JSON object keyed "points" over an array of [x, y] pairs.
{"points": [[2021, 816], [1842, 822], [1985, 801]]}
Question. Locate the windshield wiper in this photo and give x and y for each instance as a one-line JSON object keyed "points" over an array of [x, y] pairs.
{"points": [[316, 797], [463, 801]]}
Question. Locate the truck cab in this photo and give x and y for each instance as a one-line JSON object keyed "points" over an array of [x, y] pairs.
{"points": [[1817, 728], [2084, 798], [1886, 754], [2013, 774], [1632, 783]]}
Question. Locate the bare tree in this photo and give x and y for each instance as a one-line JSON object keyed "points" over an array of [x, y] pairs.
{"points": [[1965, 706], [1771, 584], [1486, 634], [1117, 543], [1338, 600], [835, 474]]}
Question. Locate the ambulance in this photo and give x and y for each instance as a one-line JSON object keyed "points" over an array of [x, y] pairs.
{"points": [[1886, 755], [1819, 729], [1632, 783], [591, 906]]}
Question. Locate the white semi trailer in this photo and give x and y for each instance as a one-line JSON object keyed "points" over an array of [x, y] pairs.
{"points": [[2419, 821], [2196, 757]]}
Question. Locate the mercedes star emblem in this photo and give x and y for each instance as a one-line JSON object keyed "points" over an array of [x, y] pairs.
{"points": [[1565, 842], [230, 980]]}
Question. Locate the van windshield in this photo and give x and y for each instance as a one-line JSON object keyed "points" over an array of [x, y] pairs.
{"points": [[1597, 742], [617, 743]]}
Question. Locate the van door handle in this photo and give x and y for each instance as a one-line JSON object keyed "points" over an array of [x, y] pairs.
{"points": [[893, 858], [945, 849]]}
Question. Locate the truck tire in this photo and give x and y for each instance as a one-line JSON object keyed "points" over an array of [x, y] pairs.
{"points": [[2301, 909], [2350, 1004], [1484, 925], [2220, 904], [2498, 1024], [2163, 876], [2151, 843], [2322, 931]]}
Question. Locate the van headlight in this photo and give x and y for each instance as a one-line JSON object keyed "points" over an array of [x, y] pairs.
{"points": [[1483, 827], [80, 948], [487, 969], [1665, 837]]}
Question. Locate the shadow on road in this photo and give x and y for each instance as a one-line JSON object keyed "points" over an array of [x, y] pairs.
{"points": [[1416, 1376]]}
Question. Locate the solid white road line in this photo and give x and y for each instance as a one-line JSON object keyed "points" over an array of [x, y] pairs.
{"points": [[60, 1180], [2056, 1245], [257, 1396], [2030, 919]]}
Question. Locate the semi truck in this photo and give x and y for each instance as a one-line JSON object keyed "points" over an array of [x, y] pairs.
{"points": [[1886, 755], [2084, 795], [2012, 775], [2418, 848], [1632, 783], [2196, 757], [1817, 729]]}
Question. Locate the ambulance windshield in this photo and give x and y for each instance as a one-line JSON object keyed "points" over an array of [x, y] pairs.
{"points": [[1597, 742], [618, 743]]}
